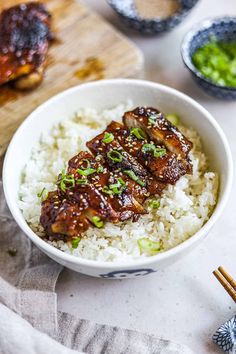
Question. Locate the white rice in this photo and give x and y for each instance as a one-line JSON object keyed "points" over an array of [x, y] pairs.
{"points": [[184, 208]]}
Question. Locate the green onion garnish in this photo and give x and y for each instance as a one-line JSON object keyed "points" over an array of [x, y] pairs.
{"points": [[149, 247], [152, 119], [75, 242], [97, 222], [148, 148], [173, 118], [43, 194], [159, 152], [64, 180], [100, 169], [116, 188], [107, 190], [108, 138], [98, 158], [88, 164], [139, 133], [114, 155], [216, 60], [135, 178], [86, 172], [81, 181], [155, 204]]}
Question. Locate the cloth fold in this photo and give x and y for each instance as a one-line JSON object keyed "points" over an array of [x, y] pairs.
{"points": [[29, 320]]}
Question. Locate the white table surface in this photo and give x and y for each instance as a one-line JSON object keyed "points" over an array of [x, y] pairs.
{"points": [[183, 303]]}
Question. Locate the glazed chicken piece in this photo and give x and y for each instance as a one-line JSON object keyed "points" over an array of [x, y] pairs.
{"points": [[24, 40], [90, 200], [163, 164], [62, 219], [159, 129], [82, 200], [71, 209], [119, 160], [115, 187]]}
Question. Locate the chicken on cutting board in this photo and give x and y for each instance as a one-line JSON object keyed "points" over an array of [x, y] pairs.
{"points": [[127, 164], [25, 34]]}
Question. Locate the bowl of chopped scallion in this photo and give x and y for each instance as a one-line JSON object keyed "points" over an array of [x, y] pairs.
{"points": [[209, 52]]}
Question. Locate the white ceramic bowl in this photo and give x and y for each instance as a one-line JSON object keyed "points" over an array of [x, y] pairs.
{"points": [[100, 95]]}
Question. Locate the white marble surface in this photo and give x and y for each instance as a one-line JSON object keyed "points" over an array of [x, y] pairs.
{"points": [[184, 303]]}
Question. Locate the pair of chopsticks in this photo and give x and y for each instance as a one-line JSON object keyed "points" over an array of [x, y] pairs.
{"points": [[226, 281]]}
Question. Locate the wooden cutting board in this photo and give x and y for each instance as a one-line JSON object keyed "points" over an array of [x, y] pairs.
{"points": [[87, 48]]}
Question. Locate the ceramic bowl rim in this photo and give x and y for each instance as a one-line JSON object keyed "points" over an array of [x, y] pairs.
{"points": [[155, 20], [64, 257], [198, 27]]}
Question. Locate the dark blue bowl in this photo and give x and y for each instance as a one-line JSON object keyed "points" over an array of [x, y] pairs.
{"points": [[130, 16], [223, 29]]}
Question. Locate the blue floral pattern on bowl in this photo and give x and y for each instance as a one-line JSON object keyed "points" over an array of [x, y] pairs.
{"points": [[130, 273], [130, 16], [223, 29], [225, 336]]}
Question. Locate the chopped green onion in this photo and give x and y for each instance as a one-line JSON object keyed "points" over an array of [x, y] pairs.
{"points": [[64, 180], [139, 133], [86, 172], [173, 118], [98, 158], [149, 247], [216, 61], [135, 178], [100, 169], [159, 152], [75, 242], [82, 181], [120, 180], [155, 204], [108, 138], [43, 194], [116, 188], [148, 148], [119, 187], [152, 119], [88, 164], [114, 155], [97, 222], [107, 190]]}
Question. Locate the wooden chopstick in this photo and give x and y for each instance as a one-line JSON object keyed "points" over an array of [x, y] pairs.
{"points": [[226, 281], [228, 277]]}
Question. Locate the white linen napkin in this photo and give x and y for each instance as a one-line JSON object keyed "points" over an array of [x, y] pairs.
{"points": [[29, 320]]}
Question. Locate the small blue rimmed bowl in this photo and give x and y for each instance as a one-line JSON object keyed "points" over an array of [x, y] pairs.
{"points": [[222, 29], [130, 16]]}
